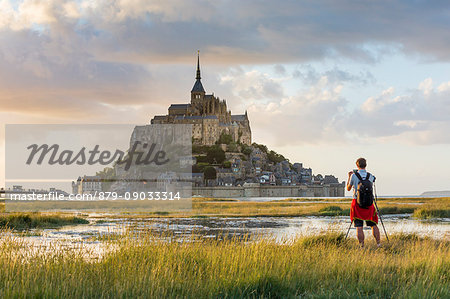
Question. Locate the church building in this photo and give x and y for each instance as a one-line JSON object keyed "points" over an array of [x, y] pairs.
{"points": [[208, 116]]}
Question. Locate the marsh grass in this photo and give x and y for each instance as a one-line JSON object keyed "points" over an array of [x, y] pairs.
{"points": [[293, 209], [435, 209], [206, 208], [24, 221], [212, 199], [323, 266], [430, 213], [385, 210], [333, 211], [209, 207]]}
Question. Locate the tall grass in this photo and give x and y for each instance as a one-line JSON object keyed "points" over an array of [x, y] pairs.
{"points": [[429, 213], [23, 221], [325, 266]]}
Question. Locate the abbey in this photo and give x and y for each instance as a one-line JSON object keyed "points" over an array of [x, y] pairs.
{"points": [[208, 116]]}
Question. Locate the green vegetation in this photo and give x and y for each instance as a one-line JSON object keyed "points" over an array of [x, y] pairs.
{"points": [[324, 266], [334, 211], [213, 199], [396, 210], [201, 166], [261, 147], [199, 149], [233, 147], [292, 208], [35, 220], [215, 155], [245, 149], [274, 157], [228, 207], [208, 154], [429, 212], [210, 173], [224, 139]]}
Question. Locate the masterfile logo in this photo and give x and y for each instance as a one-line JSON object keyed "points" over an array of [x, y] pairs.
{"points": [[98, 163], [54, 156]]}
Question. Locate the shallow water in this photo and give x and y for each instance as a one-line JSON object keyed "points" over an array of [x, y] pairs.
{"points": [[280, 228], [85, 238]]}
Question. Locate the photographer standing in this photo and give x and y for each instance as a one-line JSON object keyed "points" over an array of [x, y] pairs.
{"points": [[362, 208]]}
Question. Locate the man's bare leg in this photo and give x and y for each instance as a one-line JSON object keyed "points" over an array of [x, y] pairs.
{"points": [[360, 235], [376, 234]]}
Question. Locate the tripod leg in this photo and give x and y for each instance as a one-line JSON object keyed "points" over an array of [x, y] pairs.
{"points": [[348, 230], [378, 212], [381, 220]]}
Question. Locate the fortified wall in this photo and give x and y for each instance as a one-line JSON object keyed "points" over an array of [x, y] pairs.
{"points": [[256, 190]]}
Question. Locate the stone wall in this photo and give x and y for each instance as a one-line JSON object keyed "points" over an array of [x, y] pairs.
{"points": [[334, 190]]}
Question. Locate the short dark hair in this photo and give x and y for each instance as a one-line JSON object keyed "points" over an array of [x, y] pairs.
{"points": [[361, 163]]}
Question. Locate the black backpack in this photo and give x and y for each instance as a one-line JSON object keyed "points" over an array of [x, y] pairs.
{"points": [[364, 191]]}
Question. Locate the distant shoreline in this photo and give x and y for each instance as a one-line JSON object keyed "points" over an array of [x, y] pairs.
{"points": [[436, 194]]}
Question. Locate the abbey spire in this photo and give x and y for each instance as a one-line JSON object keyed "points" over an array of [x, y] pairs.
{"points": [[198, 89], [198, 66]]}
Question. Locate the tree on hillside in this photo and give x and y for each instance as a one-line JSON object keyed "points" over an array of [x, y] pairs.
{"points": [[224, 139], [210, 173], [273, 156], [245, 149], [262, 147], [215, 155]]}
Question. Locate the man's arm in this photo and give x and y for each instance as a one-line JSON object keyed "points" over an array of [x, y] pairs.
{"points": [[349, 185]]}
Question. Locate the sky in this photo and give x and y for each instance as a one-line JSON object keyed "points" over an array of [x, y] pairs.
{"points": [[324, 82]]}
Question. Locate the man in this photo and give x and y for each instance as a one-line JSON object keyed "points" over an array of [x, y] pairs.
{"points": [[358, 214]]}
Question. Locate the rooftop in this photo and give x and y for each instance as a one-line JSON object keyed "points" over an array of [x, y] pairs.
{"points": [[179, 106]]}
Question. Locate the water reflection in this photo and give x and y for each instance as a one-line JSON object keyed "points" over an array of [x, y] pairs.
{"points": [[279, 227], [88, 238]]}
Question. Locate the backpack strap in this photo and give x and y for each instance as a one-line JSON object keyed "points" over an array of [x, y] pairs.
{"points": [[358, 176], [368, 176]]}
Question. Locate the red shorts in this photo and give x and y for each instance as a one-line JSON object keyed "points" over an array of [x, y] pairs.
{"points": [[356, 212]]}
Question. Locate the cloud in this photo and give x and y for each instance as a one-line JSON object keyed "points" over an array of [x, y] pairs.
{"points": [[309, 75], [76, 60], [233, 32], [253, 85], [419, 116], [319, 113], [302, 118]]}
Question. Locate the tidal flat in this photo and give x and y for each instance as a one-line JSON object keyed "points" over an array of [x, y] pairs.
{"points": [[228, 248], [321, 266]]}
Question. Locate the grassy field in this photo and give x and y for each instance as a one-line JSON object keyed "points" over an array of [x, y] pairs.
{"points": [[433, 210], [24, 221], [322, 207], [146, 265], [420, 208], [324, 266], [287, 209]]}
